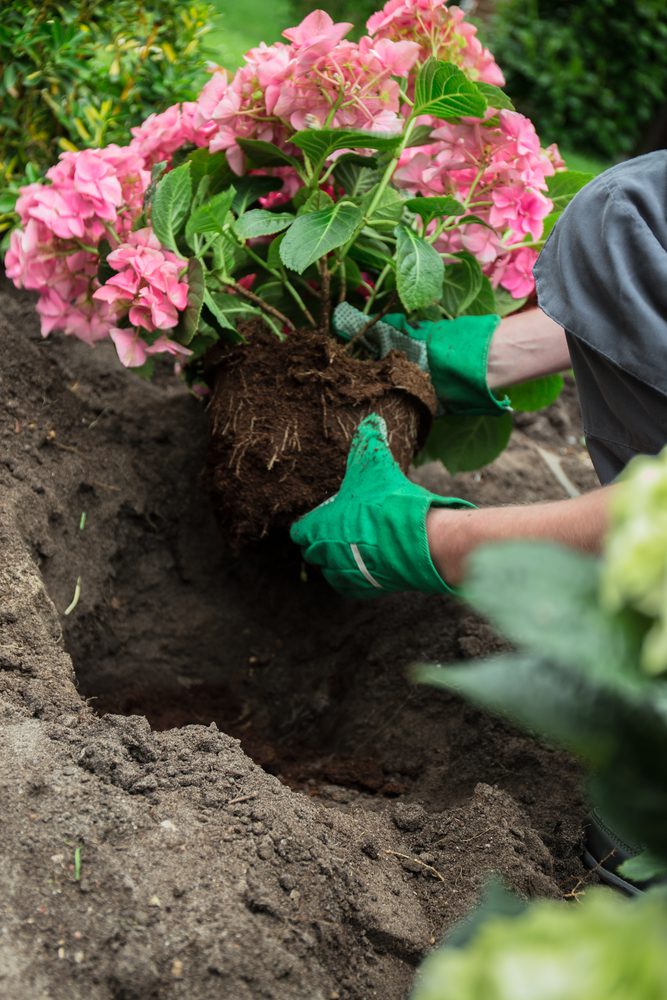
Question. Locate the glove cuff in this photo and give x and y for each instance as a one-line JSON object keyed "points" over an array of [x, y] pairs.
{"points": [[458, 354], [419, 568]]}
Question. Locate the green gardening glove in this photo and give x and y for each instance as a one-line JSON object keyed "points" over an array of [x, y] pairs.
{"points": [[453, 351], [371, 536]]}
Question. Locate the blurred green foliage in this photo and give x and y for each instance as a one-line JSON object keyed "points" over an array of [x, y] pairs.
{"points": [[590, 73], [77, 73]]}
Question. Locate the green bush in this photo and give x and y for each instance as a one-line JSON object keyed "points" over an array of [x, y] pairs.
{"points": [[80, 72], [590, 73]]}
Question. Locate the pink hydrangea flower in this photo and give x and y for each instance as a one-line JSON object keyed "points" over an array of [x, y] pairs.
{"points": [[514, 272], [159, 136], [148, 287], [133, 352]]}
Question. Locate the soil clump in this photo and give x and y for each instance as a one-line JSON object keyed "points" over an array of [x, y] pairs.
{"points": [[216, 779], [282, 418]]}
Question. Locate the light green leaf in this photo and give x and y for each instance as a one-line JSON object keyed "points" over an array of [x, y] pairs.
{"points": [[387, 214], [495, 97], [266, 154], [317, 234], [527, 397], [506, 303], [260, 222], [462, 283], [444, 91], [228, 309], [318, 144], [189, 321], [210, 217], [484, 303], [373, 255], [644, 867], [313, 202], [355, 176], [435, 208], [419, 270], [213, 166], [464, 443], [544, 597], [170, 205], [563, 186]]}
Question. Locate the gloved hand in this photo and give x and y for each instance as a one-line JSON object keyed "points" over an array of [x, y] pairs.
{"points": [[371, 536], [453, 351]]}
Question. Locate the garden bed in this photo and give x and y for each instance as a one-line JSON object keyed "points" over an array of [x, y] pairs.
{"points": [[146, 851]]}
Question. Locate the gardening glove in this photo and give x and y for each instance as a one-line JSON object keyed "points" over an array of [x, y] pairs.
{"points": [[371, 536], [454, 352]]}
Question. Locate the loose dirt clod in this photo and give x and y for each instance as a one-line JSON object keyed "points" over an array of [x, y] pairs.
{"points": [[282, 418]]}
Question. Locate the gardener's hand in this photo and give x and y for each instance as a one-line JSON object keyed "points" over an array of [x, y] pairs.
{"points": [[453, 351], [370, 537]]}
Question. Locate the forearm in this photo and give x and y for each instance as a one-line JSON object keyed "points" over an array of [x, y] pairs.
{"points": [[526, 345], [580, 523]]}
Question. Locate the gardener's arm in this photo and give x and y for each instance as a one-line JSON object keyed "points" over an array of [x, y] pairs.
{"points": [[524, 346], [453, 535]]}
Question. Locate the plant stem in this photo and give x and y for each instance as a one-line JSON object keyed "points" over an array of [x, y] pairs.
{"points": [[291, 290], [326, 295], [387, 307], [270, 310], [371, 298]]}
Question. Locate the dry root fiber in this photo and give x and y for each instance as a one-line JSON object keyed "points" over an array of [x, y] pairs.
{"points": [[282, 418]]}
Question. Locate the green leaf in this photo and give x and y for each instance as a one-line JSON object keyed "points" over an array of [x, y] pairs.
{"points": [[563, 186], [228, 257], [213, 166], [313, 202], [464, 443], [422, 135], [189, 320], [444, 91], [371, 254], [506, 303], [354, 175], [250, 188], [461, 284], [544, 597], [495, 97], [484, 303], [210, 217], [228, 309], [496, 902], [266, 154], [419, 270], [170, 205], [260, 222], [548, 224], [388, 212], [527, 397], [644, 867], [315, 235], [318, 144], [435, 208]]}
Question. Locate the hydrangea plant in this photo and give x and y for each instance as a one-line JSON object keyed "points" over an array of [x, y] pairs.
{"points": [[392, 172]]}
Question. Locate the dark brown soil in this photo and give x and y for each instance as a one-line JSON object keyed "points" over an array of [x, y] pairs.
{"points": [[282, 417], [148, 856]]}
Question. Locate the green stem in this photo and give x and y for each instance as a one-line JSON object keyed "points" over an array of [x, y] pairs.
{"points": [[279, 276], [378, 284]]}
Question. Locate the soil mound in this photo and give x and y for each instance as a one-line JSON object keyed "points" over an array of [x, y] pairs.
{"points": [[282, 417], [146, 853]]}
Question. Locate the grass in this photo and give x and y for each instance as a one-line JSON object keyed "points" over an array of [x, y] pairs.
{"points": [[584, 162], [232, 35]]}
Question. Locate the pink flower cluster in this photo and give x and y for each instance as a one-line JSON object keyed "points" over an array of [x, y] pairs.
{"points": [[320, 79], [500, 171], [440, 31], [159, 136], [149, 291], [92, 194]]}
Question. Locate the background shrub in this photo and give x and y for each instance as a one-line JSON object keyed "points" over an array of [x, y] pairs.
{"points": [[79, 73], [592, 74]]}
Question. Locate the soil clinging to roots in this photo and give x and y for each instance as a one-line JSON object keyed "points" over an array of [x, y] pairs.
{"points": [[282, 418]]}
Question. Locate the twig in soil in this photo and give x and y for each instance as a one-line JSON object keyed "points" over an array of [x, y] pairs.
{"points": [[406, 857], [242, 798], [574, 892], [75, 600], [270, 310], [82, 520], [77, 864], [387, 307]]}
